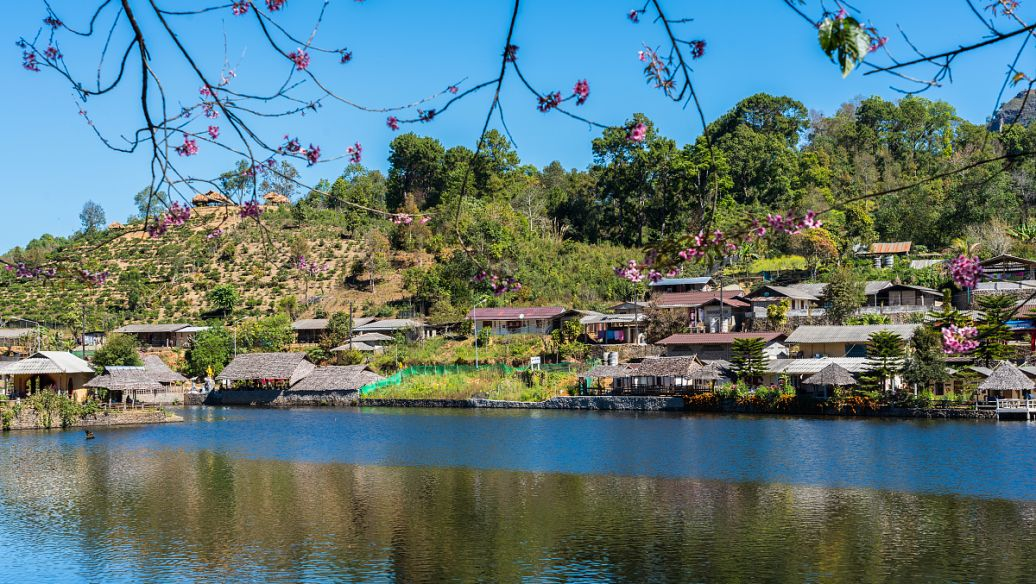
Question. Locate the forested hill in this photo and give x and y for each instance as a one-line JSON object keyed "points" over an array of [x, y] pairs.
{"points": [[1021, 109], [560, 232]]}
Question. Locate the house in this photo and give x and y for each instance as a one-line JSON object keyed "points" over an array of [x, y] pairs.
{"points": [[55, 371], [802, 301], [628, 307], [412, 329], [535, 320], [796, 371], [614, 328], [1006, 381], [888, 298], [337, 377], [273, 198], [310, 330], [714, 311], [156, 369], [660, 376], [1009, 267], [266, 370], [718, 345], [699, 284], [124, 383], [600, 380], [885, 254], [161, 335], [840, 341]]}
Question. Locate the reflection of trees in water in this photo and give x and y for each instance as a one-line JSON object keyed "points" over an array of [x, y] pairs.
{"points": [[214, 517]]}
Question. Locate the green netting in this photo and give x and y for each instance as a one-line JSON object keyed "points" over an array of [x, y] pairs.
{"points": [[399, 376]]}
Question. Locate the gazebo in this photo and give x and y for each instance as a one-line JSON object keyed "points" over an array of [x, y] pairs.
{"points": [[210, 199], [275, 198], [832, 376], [1006, 381]]}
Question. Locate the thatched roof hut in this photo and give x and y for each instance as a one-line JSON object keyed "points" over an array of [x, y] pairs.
{"points": [[124, 379], [211, 199], [272, 367], [679, 367], [1007, 380], [156, 369], [714, 371], [115, 225], [834, 375], [345, 377], [274, 198]]}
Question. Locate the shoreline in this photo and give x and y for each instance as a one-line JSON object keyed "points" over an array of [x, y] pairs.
{"points": [[350, 398], [29, 419]]}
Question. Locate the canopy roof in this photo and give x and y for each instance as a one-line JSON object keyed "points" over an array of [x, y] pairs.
{"points": [[290, 367], [847, 334], [668, 366], [48, 362], [337, 377], [1006, 377], [833, 374], [125, 379]]}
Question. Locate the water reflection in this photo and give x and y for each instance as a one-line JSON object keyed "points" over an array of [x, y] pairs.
{"points": [[72, 512]]}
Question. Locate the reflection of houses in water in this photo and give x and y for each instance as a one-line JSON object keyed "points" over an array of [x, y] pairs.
{"points": [[55, 371]]}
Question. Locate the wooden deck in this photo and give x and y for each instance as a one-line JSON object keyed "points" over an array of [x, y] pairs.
{"points": [[1016, 408]]}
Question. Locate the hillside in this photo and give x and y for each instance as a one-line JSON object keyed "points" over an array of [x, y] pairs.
{"points": [[167, 278], [1019, 109]]}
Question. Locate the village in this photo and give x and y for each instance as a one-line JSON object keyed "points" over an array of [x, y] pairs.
{"points": [[773, 345]]}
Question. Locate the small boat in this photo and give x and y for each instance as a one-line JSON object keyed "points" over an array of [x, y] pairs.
{"points": [[89, 435]]}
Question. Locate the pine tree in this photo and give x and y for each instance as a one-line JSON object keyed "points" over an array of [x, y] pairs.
{"points": [[993, 332], [884, 359], [843, 295], [927, 363], [748, 359]]}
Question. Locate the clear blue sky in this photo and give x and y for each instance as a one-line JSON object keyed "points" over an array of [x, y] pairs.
{"points": [[403, 50]]}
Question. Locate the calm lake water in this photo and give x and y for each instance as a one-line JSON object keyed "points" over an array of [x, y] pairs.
{"points": [[463, 495]]}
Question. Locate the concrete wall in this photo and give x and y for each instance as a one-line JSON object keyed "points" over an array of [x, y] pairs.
{"points": [[29, 419], [282, 398]]}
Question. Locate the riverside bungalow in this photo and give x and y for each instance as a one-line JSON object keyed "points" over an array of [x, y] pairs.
{"points": [[660, 376], [534, 320], [161, 335], [1009, 267], [840, 341], [1006, 381], [123, 383], [829, 378], [714, 311], [699, 284], [614, 328], [266, 370], [600, 380], [55, 371], [337, 377], [796, 371], [718, 345]]}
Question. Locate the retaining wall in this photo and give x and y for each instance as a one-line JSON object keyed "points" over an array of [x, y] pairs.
{"points": [[29, 419], [285, 398]]}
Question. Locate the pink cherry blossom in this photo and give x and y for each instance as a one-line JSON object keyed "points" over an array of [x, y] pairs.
{"points": [[346, 56], [634, 16], [52, 22], [29, 62], [549, 101], [355, 151], [251, 209], [275, 5], [958, 340], [452, 89], [312, 154], [392, 122], [240, 8], [188, 148], [697, 49], [215, 234], [214, 132], [300, 58], [637, 133], [424, 220], [965, 271], [511, 53], [581, 91]]}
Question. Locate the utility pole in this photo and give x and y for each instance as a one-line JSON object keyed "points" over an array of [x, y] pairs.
{"points": [[83, 338], [350, 326]]}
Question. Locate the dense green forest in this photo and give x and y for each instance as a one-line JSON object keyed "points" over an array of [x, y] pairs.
{"points": [[561, 231]]}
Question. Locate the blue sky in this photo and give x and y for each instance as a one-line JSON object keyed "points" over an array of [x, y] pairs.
{"points": [[406, 50]]}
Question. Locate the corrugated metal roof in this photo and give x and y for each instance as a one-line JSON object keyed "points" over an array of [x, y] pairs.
{"points": [[893, 247], [389, 324], [716, 338], [516, 313], [922, 264], [151, 328], [795, 292], [847, 334], [613, 318], [16, 333], [697, 281], [811, 366], [698, 298], [44, 362]]}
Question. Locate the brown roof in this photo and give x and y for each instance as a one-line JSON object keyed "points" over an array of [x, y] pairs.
{"points": [[1006, 376], [125, 379], [621, 370], [895, 247], [281, 366], [717, 338], [833, 374], [516, 313], [698, 298], [668, 366], [151, 328], [337, 377], [156, 369]]}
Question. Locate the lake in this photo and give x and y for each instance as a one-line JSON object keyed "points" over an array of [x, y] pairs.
{"points": [[424, 495]]}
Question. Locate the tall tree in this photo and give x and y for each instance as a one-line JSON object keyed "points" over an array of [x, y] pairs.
{"points": [[993, 332], [92, 217], [844, 294], [748, 359], [416, 168], [927, 362], [885, 354]]}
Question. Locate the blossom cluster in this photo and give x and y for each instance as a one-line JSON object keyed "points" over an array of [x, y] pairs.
{"points": [[637, 133], [549, 101], [27, 272], [697, 49], [965, 271], [511, 53], [189, 146], [29, 61], [293, 146], [215, 234], [300, 58], [94, 278], [581, 91], [402, 218], [392, 122], [631, 271], [250, 209], [958, 340], [311, 268], [275, 5], [176, 215], [355, 153], [346, 56], [498, 284], [214, 132], [240, 8]]}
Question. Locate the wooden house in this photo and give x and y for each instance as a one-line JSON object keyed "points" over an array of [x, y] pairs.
{"points": [[709, 346], [337, 378], [614, 328], [56, 371], [696, 284], [1009, 267], [161, 335], [713, 311], [840, 341], [535, 320], [660, 376]]}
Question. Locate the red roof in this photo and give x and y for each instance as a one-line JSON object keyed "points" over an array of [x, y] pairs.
{"points": [[896, 247], [717, 338], [517, 313], [697, 298]]}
